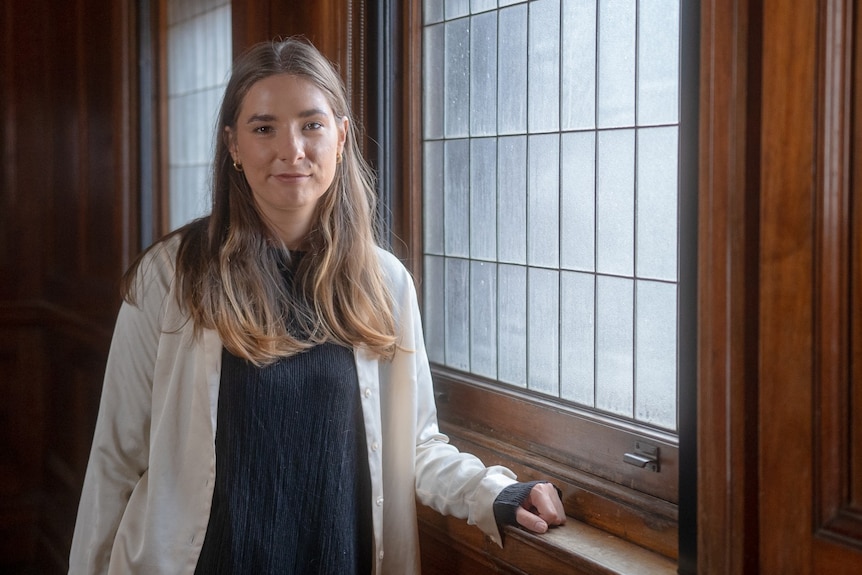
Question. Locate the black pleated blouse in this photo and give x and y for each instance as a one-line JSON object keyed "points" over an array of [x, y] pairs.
{"points": [[292, 491]]}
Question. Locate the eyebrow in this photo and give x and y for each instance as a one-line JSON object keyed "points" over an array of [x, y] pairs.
{"points": [[270, 118]]}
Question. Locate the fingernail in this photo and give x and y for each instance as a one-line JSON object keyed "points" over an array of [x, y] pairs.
{"points": [[541, 526]]}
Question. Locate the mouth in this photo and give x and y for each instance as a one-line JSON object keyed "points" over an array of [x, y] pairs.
{"points": [[291, 177]]}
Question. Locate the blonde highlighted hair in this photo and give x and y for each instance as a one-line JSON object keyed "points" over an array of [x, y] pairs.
{"points": [[229, 264]]}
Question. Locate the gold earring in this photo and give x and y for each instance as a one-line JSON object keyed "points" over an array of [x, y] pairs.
{"points": [[237, 166], [338, 158]]}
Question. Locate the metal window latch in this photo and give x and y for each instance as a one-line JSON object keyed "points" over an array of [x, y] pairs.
{"points": [[644, 456]]}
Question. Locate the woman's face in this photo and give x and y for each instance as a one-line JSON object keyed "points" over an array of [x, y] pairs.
{"points": [[287, 140]]}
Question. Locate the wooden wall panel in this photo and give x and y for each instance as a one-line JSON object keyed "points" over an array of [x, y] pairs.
{"points": [[67, 194], [838, 272], [780, 260]]}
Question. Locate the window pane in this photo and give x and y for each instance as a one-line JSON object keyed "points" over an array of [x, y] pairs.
{"points": [[433, 86], [457, 79], [433, 11], [543, 195], [482, 5], [483, 198], [512, 323], [512, 62], [512, 199], [578, 201], [198, 63], [616, 63], [614, 339], [543, 340], [655, 376], [457, 8], [551, 188], [578, 69], [432, 197], [457, 313], [577, 337], [658, 62], [483, 319], [543, 71], [434, 293], [456, 199], [657, 203], [615, 209], [483, 75]]}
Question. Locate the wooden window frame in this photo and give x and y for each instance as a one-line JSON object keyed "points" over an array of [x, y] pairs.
{"points": [[523, 430]]}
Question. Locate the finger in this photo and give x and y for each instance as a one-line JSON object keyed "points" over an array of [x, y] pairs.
{"points": [[530, 521], [547, 504]]}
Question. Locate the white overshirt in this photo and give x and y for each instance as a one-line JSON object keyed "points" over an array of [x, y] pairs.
{"points": [[149, 483]]}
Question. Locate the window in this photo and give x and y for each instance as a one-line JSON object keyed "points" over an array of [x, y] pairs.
{"points": [[558, 225], [198, 63]]}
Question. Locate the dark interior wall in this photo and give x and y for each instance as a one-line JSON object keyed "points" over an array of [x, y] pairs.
{"points": [[67, 178]]}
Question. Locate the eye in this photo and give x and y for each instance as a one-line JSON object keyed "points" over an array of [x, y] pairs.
{"points": [[263, 130], [313, 126]]}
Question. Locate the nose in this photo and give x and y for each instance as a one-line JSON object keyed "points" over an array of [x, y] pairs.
{"points": [[291, 147]]}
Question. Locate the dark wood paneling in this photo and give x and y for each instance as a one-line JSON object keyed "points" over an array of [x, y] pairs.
{"points": [[727, 330], [779, 346], [838, 436], [67, 195]]}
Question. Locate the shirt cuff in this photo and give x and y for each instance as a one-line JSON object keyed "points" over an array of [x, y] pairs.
{"points": [[508, 501]]}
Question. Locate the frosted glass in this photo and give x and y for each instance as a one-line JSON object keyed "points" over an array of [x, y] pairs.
{"points": [[456, 198], [543, 197], [198, 60], [614, 339], [434, 286], [657, 160], [483, 319], [433, 83], [483, 198], [189, 198], [616, 57], [483, 74], [456, 104], [503, 3], [543, 72], [656, 335], [578, 69], [432, 197], [512, 66], [577, 337], [512, 324], [457, 313], [432, 11], [658, 62], [512, 199], [477, 6], [457, 8], [544, 337], [615, 203], [578, 201]]}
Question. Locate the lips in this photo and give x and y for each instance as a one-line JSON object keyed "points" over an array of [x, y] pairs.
{"points": [[291, 177]]}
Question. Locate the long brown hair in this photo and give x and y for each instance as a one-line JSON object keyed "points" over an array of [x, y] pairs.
{"points": [[229, 264]]}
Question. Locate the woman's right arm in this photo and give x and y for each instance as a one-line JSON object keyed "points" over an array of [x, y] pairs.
{"points": [[120, 450]]}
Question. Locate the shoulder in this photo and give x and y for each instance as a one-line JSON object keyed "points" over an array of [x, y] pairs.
{"points": [[397, 276], [156, 267]]}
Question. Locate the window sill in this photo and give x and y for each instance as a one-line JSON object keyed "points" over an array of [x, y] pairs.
{"points": [[575, 548]]}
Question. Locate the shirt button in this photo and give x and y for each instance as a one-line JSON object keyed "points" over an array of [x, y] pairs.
{"points": [[380, 555], [367, 392], [379, 501], [375, 446]]}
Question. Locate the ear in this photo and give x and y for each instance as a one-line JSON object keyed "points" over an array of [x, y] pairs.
{"points": [[342, 134], [230, 142]]}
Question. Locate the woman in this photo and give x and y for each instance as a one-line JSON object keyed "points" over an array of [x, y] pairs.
{"points": [[267, 404]]}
